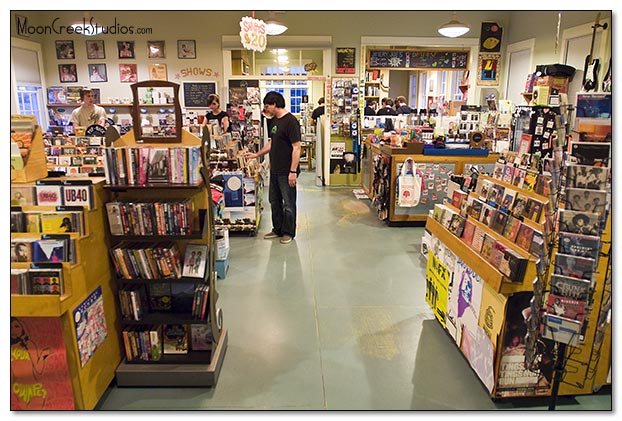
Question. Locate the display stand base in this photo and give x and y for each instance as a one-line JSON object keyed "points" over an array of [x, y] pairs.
{"points": [[174, 375]]}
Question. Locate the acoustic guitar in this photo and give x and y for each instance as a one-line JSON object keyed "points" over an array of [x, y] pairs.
{"points": [[590, 71]]}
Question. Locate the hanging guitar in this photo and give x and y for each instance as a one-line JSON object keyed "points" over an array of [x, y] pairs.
{"points": [[591, 64], [607, 80]]}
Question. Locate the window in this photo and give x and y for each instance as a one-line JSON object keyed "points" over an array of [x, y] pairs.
{"points": [[29, 100], [292, 91]]}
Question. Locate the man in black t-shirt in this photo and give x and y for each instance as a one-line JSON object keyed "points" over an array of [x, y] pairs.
{"points": [[318, 111], [284, 149]]}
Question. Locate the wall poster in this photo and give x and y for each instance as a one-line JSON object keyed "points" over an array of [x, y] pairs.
{"points": [[90, 325], [488, 69], [346, 61]]}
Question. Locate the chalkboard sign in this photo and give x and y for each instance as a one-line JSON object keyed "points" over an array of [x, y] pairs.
{"points": [[417, 59], [196, 93]]}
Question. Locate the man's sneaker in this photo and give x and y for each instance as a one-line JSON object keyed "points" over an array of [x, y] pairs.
{"points": [[286, 239], [271, 235]]}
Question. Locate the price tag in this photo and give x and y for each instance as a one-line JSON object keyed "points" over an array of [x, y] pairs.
{"points": [[253, 34]]}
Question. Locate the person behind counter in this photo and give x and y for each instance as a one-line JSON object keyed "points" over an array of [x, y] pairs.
{"points": [[387, 109], [88, 113], [215, 113], [402, 107], [370, 107]]}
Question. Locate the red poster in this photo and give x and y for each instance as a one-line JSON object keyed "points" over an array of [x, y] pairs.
{"points": [[39, 374]]}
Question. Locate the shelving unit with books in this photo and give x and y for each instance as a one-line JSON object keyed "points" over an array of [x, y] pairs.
{"points": [[62, 278], [172, 330]]}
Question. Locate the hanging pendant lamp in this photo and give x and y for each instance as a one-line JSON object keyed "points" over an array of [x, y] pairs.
{"points": [[453, 28]]}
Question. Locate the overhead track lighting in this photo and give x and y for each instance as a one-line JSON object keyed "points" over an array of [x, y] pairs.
{"points": [[453, 28]]}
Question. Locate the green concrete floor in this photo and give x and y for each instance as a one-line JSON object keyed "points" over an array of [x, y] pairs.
{"points": [[335, 320]]}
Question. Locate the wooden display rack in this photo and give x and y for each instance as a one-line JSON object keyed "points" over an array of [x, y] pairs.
{"points": [[181, 370], [583, 372], [35, 167], [91, 381]]}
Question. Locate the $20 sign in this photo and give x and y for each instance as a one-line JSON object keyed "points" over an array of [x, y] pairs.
{"points": [[253, 34]]}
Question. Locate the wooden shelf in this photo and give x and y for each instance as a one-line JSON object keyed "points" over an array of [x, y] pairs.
{"points": [[481, 266], [174, 375], [372, 83], [124, 187]]}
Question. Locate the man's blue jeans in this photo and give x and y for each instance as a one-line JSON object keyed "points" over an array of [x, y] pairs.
{"points": [[283, 203]]}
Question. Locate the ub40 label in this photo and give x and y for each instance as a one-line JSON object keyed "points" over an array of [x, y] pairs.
{"points": [[77, 195]]}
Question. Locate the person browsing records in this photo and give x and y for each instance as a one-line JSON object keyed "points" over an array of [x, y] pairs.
{"points": [[284, 148], [215, 113], [88, 113]]}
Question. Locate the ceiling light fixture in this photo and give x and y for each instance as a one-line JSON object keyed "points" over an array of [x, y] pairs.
{"points": [[453, 28], [87, 26], [275, 28], [282, 59]]}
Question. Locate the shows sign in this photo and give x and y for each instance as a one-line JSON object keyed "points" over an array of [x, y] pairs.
{"points": [[253, 34]]}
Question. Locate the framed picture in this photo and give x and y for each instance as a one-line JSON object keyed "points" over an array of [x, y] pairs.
{"points": [[194, 261], [67, 73], [157, 72], [64, 50], [126, 49], [186, 48], [95, 49], [488, 69], [155, 49], [97, 73], [128, 73]]}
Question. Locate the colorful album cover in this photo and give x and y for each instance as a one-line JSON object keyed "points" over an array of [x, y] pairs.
{"points": [[565, 307], [573, 288], [574, 266], [579, 245]]}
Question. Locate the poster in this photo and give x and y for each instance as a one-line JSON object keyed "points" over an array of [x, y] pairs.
{"points": [[464, 301], [513, 378], [90, 325], [437, 283], [157, 72], [337, 149], [345, 61], [39, 374], [488, 69]]}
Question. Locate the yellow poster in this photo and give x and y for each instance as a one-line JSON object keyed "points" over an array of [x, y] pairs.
{"points": [[492, 313], [437, 284]]}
